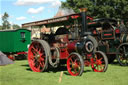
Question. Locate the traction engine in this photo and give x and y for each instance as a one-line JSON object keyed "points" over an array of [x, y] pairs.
{"points": [[75, 48]]}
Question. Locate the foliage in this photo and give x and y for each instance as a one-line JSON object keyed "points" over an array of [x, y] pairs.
{"points": [[19, 73], [5, 24], [77, 4], [15, 26], [117, 9], [0, 27]]}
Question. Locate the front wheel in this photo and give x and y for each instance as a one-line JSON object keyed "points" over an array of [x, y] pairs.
{"points": [[122, 54], [75, 64], [99, 62]]}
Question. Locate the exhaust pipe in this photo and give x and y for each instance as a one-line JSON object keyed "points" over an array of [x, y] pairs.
{"points": [[84, 30]]}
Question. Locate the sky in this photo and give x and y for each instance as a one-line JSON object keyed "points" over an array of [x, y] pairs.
{"points": [[23, 11]]}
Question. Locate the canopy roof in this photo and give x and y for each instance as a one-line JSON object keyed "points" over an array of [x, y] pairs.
{"points": [[57, 20], [101, 21]]}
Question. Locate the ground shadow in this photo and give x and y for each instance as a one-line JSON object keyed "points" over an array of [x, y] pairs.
{"points": [[116, 63], [63, 68], [26, 65], [85, 71], [28, 68], [50, 69], [58, 69], [54, 70]]}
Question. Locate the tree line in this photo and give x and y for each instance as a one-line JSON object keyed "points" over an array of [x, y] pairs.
{"points": [[6, 24], [115, 9]]}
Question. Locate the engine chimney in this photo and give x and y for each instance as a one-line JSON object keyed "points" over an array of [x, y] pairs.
{"points": [[84, 29]]}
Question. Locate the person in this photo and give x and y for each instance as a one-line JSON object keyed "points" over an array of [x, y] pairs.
{"points": [[122, 27]]}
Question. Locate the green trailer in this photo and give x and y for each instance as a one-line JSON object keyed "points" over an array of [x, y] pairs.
{"points": [[15, 41]]}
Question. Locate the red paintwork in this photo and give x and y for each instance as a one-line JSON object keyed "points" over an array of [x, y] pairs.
{"points": [[88, 17], [21, 53], [71, 46], [73, 66], [75, 16], [91, 23], [11, 57], [89, 55], [107, 34], [64, 53], [117, 31], [87, 62], [94, 62], [32, 55], [97, 63], [94, 32]]}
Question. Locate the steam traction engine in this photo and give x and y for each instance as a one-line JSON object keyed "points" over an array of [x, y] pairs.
{"points": [[71, 43], [113, 39]]}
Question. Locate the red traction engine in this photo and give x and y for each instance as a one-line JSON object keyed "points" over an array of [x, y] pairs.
{"points": [[62, 47]]}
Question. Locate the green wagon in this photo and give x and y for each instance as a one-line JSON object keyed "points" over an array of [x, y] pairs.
{"points": [[13, 42]]}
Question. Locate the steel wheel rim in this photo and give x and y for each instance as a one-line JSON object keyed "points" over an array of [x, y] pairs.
{"points": [[55, 57], [123, 54], [98, 63], [36, 57], [73, 65]]}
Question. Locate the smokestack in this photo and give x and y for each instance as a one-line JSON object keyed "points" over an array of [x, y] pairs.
{"points": [[84, 21]]}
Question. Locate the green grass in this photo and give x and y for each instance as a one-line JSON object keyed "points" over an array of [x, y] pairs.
{"points": [[19, 73]]}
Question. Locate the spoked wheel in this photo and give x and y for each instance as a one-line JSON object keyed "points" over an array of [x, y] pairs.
{"points": [[99, 62], [122, 54], [75, 64], [37, 56]]}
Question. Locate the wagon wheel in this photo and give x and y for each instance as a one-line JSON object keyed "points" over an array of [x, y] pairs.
{"points": [[122, 54], [38, 56], [99, 62], [75, 64], [54, 58]]}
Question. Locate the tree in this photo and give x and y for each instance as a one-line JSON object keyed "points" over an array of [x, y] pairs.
{"points": [[5, 24], [15, 26], [0, 27], [100, 8], [77, 4]]}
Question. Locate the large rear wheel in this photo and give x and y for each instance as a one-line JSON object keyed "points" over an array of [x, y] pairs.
{"points": [[122, 54], [38, 56], [99, 62], [75, 64]]}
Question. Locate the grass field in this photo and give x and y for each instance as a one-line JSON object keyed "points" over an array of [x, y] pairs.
{"points": [[19, 73]]}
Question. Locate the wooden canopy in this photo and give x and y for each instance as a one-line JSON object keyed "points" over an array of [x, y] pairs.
{"points": [[52, 20]]}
